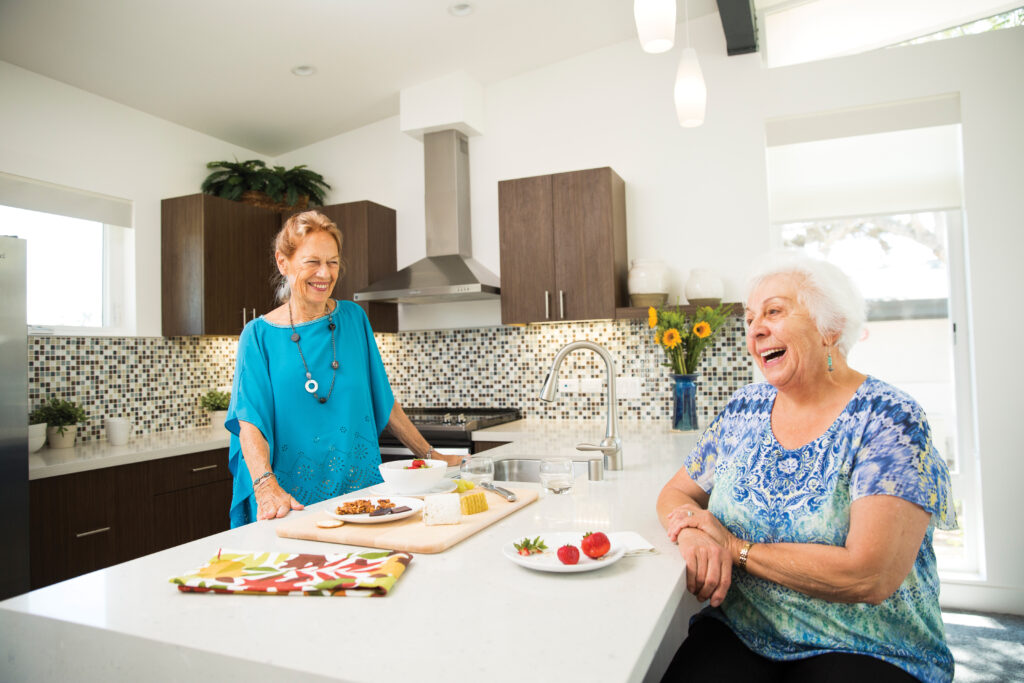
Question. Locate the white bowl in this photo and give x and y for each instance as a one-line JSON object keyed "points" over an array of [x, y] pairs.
{"points": [[36, 437], [403, 481]]}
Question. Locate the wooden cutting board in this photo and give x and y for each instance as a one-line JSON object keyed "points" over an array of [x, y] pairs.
{"points": [[409, 534]]}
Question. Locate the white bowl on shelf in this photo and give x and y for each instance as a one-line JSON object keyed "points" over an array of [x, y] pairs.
{"points": [[406, 481]]}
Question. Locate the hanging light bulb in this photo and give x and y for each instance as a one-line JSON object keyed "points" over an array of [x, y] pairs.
{"points": [[691, 94], [655, 24]]}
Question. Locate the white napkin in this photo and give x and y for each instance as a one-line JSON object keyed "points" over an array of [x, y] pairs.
{"points": [[634, 543]]}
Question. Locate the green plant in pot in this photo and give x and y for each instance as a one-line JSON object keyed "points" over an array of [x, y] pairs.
{"points": [[216, 403], [277, 188], [62, 419]]}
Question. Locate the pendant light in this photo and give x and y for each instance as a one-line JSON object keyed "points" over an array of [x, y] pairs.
{"points": [[655, 24], [691, 95]]}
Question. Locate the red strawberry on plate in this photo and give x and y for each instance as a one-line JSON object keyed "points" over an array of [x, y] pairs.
{"points": [[569, 554], [595, 544]]}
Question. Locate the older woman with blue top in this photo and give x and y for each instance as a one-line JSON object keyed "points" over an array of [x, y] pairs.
{"points": [[806, 510], [310, 394]]}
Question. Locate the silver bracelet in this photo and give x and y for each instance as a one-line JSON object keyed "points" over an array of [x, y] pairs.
{"points": [[262, 478]]}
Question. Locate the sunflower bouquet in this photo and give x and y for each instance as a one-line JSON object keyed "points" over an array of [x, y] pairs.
{"points": [[683, 340]]}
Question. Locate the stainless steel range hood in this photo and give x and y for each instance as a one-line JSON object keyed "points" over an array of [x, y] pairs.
{"points": [[449, 272]]}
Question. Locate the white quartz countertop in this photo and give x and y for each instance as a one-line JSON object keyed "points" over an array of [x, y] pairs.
{"points": [[92, 455], [465, 614]]}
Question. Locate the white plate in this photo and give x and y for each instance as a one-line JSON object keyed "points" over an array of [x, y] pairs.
{"points": [[443, 486], [415, 505], [548, 560]]}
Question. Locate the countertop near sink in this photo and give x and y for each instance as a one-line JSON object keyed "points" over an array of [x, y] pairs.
{"points": [[465, 614], [528, 438], [536, 438], [54, 462]]}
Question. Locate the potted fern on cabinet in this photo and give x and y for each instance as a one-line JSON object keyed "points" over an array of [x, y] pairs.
{"points": [[276, 188]]}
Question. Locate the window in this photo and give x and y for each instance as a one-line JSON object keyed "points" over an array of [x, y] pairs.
{"points": [[877, 191], [902, 265], [78, 264], [798, 31]]}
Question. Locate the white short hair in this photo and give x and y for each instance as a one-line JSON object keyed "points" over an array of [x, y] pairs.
{"points": [[829, 295]]}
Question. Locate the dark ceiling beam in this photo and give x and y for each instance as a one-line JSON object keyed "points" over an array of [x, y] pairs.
{"points": [[740, 25]]}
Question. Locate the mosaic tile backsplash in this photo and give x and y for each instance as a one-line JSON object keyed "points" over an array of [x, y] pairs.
{"points": [[156, 382]]}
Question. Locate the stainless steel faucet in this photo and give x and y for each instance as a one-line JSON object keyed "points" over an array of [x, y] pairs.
{"points": [[611, 444]]}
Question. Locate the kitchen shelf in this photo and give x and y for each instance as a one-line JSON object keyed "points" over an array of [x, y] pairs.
{"points": [[640, 312]]}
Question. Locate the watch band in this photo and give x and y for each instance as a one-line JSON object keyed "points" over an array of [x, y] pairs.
{"points": [[743, 554]]}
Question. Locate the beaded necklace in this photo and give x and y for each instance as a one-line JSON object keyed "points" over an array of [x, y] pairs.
{"points": [[311, 384]]}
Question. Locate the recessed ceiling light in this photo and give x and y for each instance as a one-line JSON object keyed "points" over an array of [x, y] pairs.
{"points": [[460, 9], [304, 70]]}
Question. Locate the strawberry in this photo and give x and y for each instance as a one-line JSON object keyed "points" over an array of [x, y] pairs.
{"points": [[569, 554], [416, 464], [594, 544]]}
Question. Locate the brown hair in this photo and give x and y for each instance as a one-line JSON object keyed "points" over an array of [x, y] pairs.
{"points": [[296, 229]]}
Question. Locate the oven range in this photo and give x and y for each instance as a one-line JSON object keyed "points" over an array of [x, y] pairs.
{"points": [[446, 429]]}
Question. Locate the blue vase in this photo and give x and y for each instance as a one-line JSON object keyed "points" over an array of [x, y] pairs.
{"points": [[684, 403]]}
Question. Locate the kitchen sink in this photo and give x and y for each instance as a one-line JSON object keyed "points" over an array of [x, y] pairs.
{"points": [[528, 470]]}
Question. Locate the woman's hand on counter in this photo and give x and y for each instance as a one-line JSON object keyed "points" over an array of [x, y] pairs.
{"points": [[272, 501], [452, 460]]}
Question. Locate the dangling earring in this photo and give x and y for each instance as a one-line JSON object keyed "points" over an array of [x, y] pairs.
{"points": [[830, 361]]}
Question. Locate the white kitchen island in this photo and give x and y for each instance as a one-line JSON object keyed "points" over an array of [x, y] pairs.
{"points": [[465, 614]]}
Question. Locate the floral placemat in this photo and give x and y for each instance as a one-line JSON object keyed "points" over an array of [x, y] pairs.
{"points": [[368, 573]]}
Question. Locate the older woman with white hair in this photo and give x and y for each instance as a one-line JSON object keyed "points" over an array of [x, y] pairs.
{"points": [[806, 510]]}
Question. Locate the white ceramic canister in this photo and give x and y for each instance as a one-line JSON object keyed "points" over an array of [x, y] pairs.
{"points": [[647, 276], [704, 288]]}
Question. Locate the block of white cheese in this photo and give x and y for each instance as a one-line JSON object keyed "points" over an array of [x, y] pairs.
{"points": [[441, 508]]}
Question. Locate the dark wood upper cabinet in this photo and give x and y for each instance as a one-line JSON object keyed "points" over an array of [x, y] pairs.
{"points": [[216, 264], [369, 253], [563, 246]]}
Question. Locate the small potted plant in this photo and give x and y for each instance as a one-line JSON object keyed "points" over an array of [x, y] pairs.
{"points": [[36, 431], [277, 188], [62, 419], [216, 403]]}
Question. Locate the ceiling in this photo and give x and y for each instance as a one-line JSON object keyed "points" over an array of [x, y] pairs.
{"points": [[223, 67]]}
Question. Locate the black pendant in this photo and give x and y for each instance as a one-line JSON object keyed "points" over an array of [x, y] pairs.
{"points": [[295, 337], [334, 364], [331, 326], [322, 399]]}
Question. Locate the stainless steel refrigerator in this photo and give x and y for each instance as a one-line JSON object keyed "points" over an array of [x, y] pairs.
{"points": [[14, 578]]}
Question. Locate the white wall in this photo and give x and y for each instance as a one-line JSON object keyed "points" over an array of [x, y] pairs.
{"points": [[698, 197], [60, 134]]}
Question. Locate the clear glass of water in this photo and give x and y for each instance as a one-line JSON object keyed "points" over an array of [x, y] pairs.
{"points": [[478, 468], [556, 475]]}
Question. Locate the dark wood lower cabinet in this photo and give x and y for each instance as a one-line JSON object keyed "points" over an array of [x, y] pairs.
{"points": [[197, 512], [87, 521]]}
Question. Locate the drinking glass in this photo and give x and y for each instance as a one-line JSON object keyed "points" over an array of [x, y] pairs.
{"points": [[556, 475], [478, 468]]}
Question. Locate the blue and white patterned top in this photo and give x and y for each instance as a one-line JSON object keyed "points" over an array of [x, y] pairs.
{"points": [[317, 451], [762, 492]]}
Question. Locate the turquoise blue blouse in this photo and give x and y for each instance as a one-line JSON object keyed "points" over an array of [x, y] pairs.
{"points": [[317, 451], [762, 492]]}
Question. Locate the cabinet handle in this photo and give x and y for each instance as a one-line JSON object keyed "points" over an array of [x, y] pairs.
{"points": [[205, 467], [253, 314], [94, 531], [243, 317], [561, 303], [547, 305]]}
